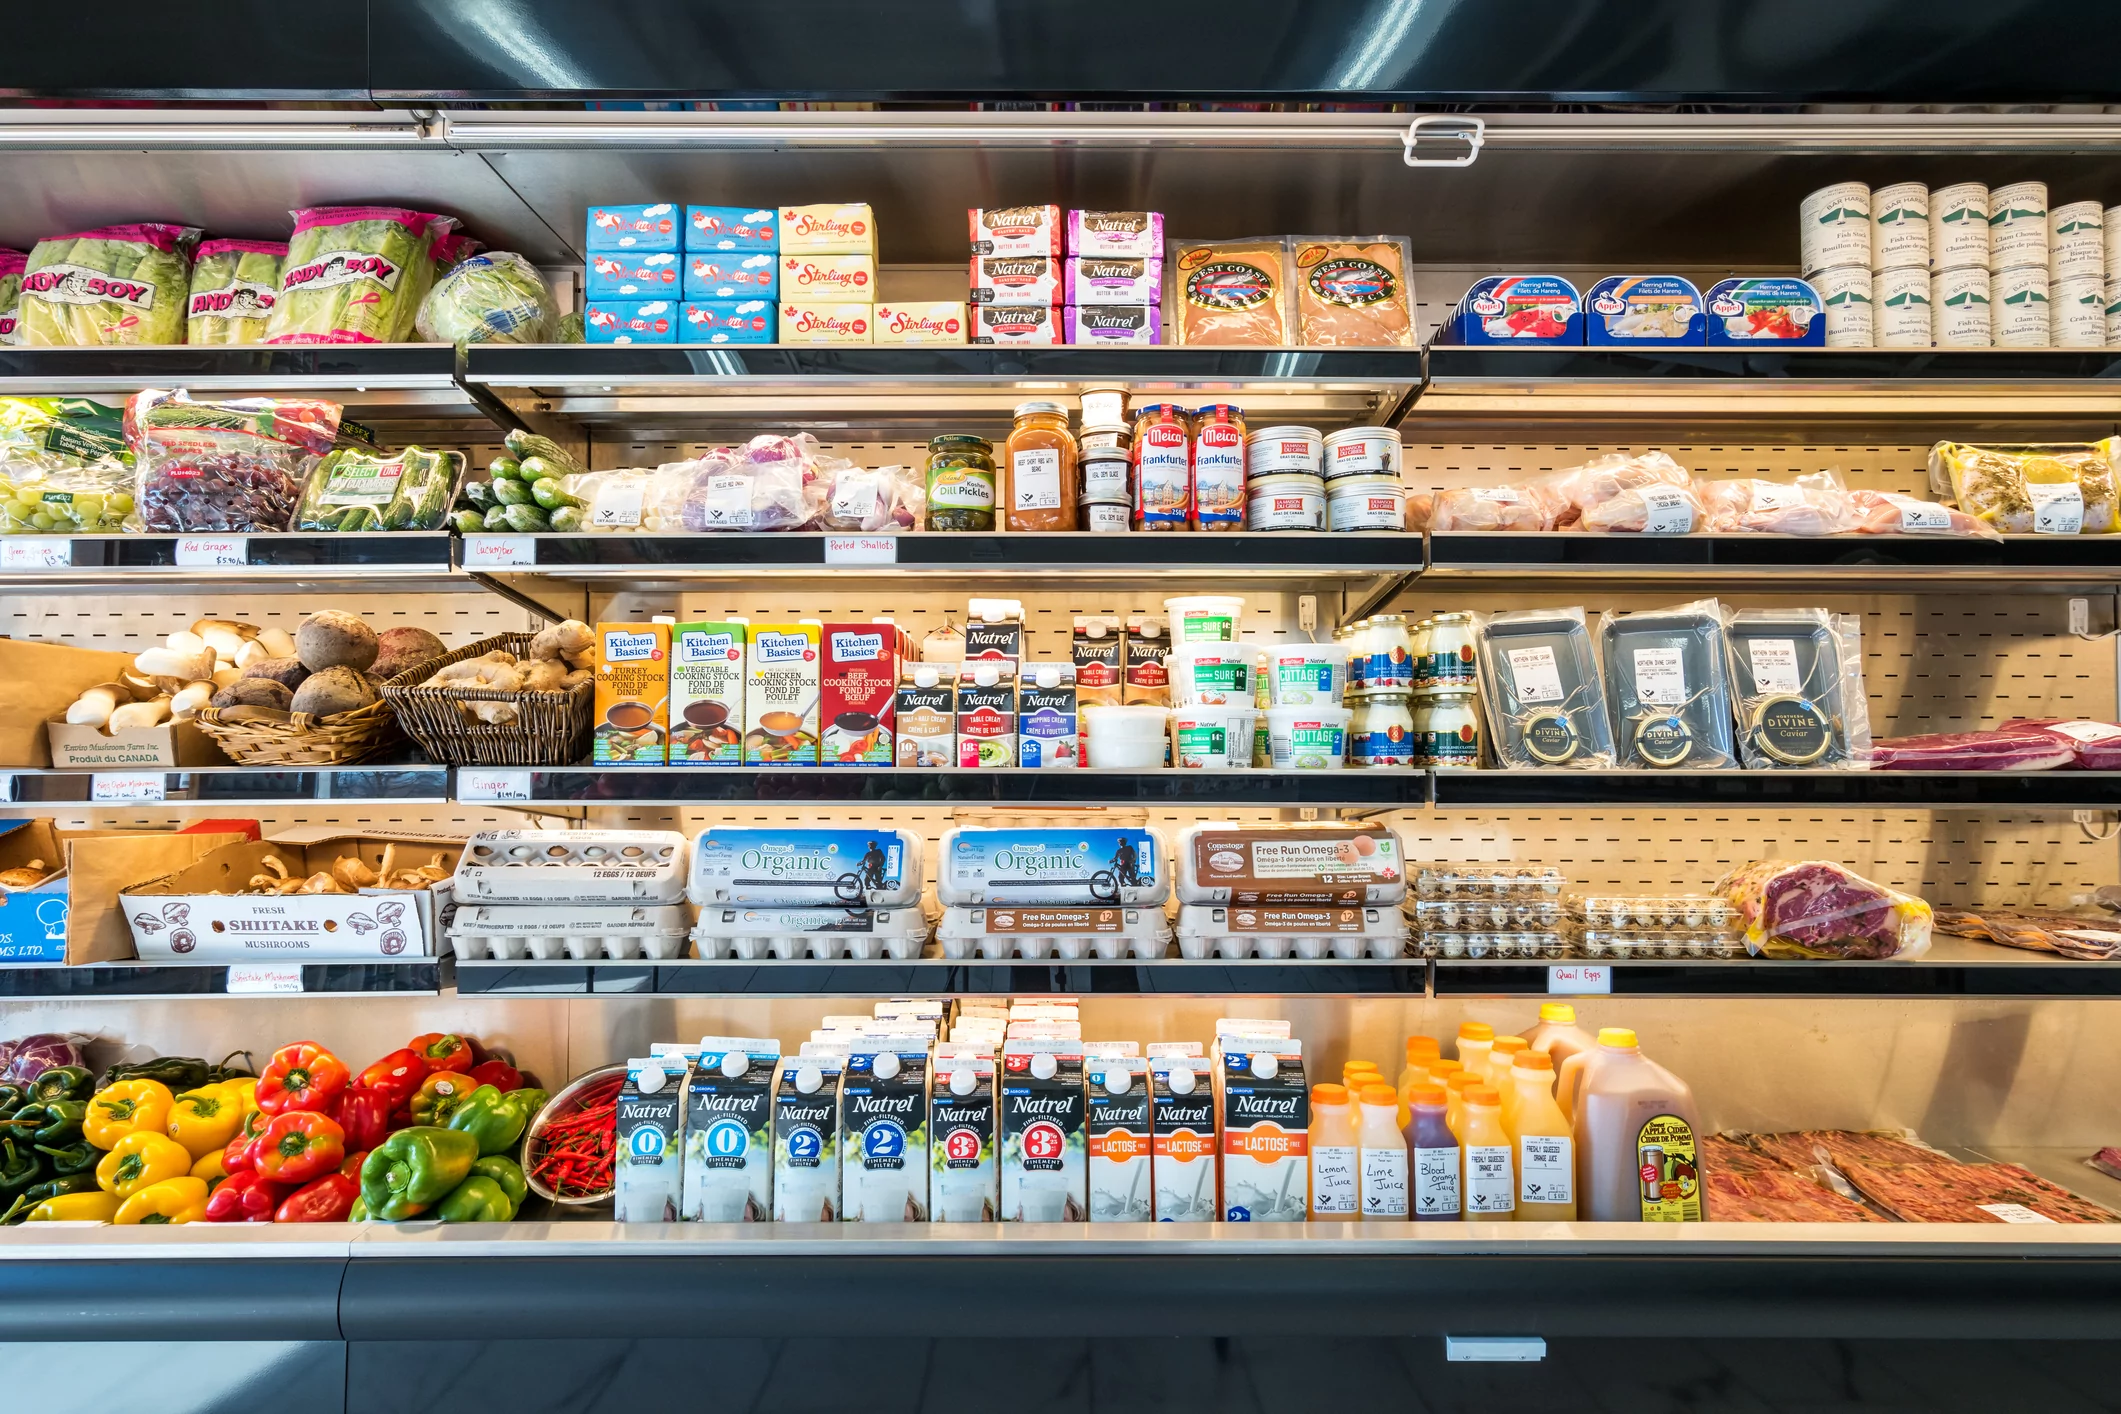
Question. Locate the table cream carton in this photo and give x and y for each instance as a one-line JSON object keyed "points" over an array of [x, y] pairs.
{"points": [[648, 1173], [729, 1131], [1043, 1177], [1116, 1129], [884, 1116], [1182, 1146], [806, 1134], [1266, 1119], [964, 1178]]}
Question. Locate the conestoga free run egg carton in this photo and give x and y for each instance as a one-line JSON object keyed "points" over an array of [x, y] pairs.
{"points": [[1067, 932]]}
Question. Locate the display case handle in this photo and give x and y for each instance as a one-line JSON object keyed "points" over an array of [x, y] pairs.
{"points": [[1471, 131]]}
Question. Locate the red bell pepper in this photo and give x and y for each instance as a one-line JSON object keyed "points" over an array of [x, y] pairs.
{"points": [[442, 1050], [353, 1162], [245, 1197], [499, 1074], [364, 1113], [324, 1200], [303, 1076], [241, 1153], [299, 1146], [396, 1075]]}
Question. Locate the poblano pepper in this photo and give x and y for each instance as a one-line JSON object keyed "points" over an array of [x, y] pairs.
{"points": [[61, 1082]]}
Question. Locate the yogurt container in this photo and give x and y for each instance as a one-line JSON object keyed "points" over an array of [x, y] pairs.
{"points": [[1362, 451], [1519, 309], [1212, 674], [1308, 738], [1125, 738], [2017, 307], [1774, 309], [1639, 311], [1306, 674], [1846, 293], [2076, 242], [2017, 226], [2077, 313], [1959, 312], [1834, 226], [1290, 501], [1900, 309], [1959, 227], [1274, 451], [1900, 227], [1213, 738], [1205, 618], [1366, 503]]}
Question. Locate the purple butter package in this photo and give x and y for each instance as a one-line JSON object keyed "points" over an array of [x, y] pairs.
{"points": [[1124, 233], [1114, 279], [1114, 324]]}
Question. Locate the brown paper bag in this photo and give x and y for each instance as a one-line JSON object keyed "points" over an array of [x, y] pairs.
{"points": [[39, 681], [100, 865]]}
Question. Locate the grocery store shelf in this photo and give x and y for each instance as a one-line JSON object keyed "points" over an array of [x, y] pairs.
{"points": [[416, 977], [781, 785], [1938, 790], [1873, 561], [1172, 977], [420, 784], [406, 559]]}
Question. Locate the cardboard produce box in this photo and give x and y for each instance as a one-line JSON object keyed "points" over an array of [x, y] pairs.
{"points": [[174, 746], [39, 681], [194, 914], [33, 919]]}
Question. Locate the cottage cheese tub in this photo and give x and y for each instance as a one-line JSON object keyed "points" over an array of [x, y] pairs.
{"points": [[1308, 738]]}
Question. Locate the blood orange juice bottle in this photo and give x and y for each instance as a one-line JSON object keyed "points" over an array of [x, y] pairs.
{"points": [[1334, 1184], [1434, 1151], [1420, 1051]]}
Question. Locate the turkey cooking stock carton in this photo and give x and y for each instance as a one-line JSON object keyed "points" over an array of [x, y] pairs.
{"points": [[1265, 1107]]}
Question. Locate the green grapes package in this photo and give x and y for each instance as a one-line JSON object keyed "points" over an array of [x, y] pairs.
{"points": [[113, 285], [356, 275], [64, 468], [234, 286], [236, 465], [357, 489], [11, 264], [496, 298]]}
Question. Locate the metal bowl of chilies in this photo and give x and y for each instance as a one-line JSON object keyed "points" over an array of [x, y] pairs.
{"points": [[559, 1107]]}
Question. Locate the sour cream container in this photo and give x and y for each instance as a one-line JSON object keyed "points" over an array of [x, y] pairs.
{"points": [[2076, 311], [1959, 310], [1288, 501], [1212, 674], [1276, 451], [1846, 293], [2017, 226], [1959, 227], [1900, 309], [2017, 307], [1362, 451], [1205, 618], [2076, 242], [1212, 738], [1835, 226], [1366, 503], [1126, 738], [1900, 230]]}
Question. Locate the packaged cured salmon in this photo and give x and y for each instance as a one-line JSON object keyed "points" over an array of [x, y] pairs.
{"points": [[1231, 292], [1353, 291]]}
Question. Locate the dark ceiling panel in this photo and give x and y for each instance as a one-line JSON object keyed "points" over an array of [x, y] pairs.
{"points": [[152, 49]]}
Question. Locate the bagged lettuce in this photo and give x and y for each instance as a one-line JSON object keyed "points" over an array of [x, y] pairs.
{"points": [[495, 298], [355, 275], [234, 286], [11, 263], [114, 285], [451, 249]]}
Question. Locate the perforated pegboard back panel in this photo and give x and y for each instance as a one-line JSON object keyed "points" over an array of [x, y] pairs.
{"points": [[1437, 465], [131, 622]]}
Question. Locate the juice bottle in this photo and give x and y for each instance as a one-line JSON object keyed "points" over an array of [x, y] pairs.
{"points": [[1434, 1149], [1500, 1055], [1545, 1153], [1382, 1156], [1355, 1074], [1489, 1176], [1334, 1186], [1569, 1082], [1420, 1051], [1460, 1081], [1475, 1040], [1557, 1033], [1637, 1136]]}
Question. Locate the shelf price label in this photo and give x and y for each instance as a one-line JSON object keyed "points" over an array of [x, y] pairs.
{"points": [[494, 551], [264, 979], [861, 549], [212, 552], [36, 552], [477, 783], [126, 787], [1579, 979]]}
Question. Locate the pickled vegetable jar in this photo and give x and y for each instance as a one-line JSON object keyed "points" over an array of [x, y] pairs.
{"points": [[960, 483], [1042, 482]]}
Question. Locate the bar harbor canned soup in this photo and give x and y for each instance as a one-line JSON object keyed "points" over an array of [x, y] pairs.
{"points": [[1834, 225], [1900, 227], [1959, 227]]}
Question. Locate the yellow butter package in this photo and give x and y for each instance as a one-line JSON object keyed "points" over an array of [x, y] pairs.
{"points": [[937, 322], [828, 230], [803, 322]]}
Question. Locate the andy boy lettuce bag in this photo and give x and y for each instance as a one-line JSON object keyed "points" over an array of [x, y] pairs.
{"points": [[113, 285]]}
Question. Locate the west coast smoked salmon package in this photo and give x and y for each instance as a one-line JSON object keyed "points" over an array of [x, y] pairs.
{"points": [[1353, 291], [1230, 292]]}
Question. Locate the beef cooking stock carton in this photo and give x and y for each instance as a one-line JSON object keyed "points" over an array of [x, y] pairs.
{"points": [[964, 1175], [648, 1182], [884, 1118], [1043, 1171], [729, 1131], [1266, 1121], [1116, 1129], [806, 1134], [1182, 1146], [857, 708]]}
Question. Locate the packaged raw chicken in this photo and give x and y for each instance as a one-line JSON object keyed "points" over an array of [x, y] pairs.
{"points": [[1533, 505], [2017, 748], [1811, 505], [1891, 513], [2063, 488], [1813, 908], [1647, 494], [1231, 292], [1353, 291]]}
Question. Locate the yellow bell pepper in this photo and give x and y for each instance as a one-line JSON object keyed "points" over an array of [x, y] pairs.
{"points": [[173, 1200], [211, 1167], [204, 1120], [117, 1110], [140, 1161], [76, 1208], [244, 1088]]}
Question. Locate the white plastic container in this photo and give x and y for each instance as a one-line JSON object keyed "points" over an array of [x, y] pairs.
{"points": [[1108, 517], [1900, 309], [1125, 738], [1065, 934], [1104, 407], [1275, 451], [1212, 738], [1104, 437], [1366, 503], [544, 932], [2017, 307], [1306, 674], [572, 866], [2076, 242], [1959, 311], [1846, 293], [1959, 227], [879, 867], [2017, 226], [1205, 618], [1362, 451], [1106, 478], [1308, 932], [1308, 738], [1835, 226], [1212, 674], [794, 933], [1084, 866], [1225, 862], [2076, 311], [1900, 227], [1289, 501]]}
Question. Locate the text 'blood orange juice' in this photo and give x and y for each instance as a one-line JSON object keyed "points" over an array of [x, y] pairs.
{"points": [[1266, 1115], [1434, 1149]]}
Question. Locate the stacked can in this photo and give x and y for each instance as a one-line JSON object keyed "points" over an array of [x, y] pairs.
{"points": [[1104, 451], [1959, 266], [1900, 267], [2017, 261], [1285, 484], [2112, 241], [1446, 702], [1363, 489], [1835, 239], [2076, 275], [1412, 681]]}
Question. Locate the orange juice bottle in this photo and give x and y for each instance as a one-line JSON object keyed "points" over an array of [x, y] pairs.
{"points": [[1334, 1186], [1544, 1150], [1381, 1156], [1420, 1051], [1357, 1073], [1456, 1087], [1475, 1040], [1499, 1057], [1489, 1178], [1557, 1033]]}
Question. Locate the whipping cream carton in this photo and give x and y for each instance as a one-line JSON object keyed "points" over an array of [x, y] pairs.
{"points": [[728, 1131], [1043, 1176], [648, 1176], [964, 1175], [884, 1116], [1182, 1136], [1266, 1121], [806, 1135], [1116, 1129]]}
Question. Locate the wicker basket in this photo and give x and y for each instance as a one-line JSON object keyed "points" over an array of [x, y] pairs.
{"points": [[550, 729], [338, 740]]}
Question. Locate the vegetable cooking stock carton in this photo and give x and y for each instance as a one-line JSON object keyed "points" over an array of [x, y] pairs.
{"points": [[806, 1135], [728, 1131], [1043, 1172], [632, 694], [1182, 1144], [1266, 1122], [648, 1181], [858, 707], [1116, 1129], [964, 1177], [884, 1116], [782, 684], [707, 693]]}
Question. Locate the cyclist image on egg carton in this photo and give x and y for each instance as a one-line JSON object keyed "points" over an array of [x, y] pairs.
{"points": [[867, 868], [575, 866]]}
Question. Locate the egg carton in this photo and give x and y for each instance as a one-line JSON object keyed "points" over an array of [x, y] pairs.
{"points": [[1277, 932], [1487, 881], [1226, 863], [1503, 945], [1487, 914], [795, 933], [572, 866], [547, 932], [872, 867], [1659, 943], [1065, 933], [1691, 913]]}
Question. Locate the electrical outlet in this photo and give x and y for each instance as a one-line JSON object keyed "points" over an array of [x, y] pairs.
{"points": [[2080, 617], [1307, 613]]}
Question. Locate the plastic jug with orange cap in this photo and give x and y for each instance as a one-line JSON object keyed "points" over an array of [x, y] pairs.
{"points": [[1382, 1156], [1489, 1177], [1543, 1141], [1455, 1087], [1557, 1033], [1500, 1055], [1637, 1137], [1475, 1040], [1335, 1189], [1434, 1151], [1569, 1074]]}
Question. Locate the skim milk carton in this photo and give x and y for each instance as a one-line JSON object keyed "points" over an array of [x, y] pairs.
{"points": [[1042, 1143], [806, 1135], [884, 1116], [1266, 1121], [1116, 1132], [648, 1171], [963, 1175], [728, 1131], [1182, 1138]]}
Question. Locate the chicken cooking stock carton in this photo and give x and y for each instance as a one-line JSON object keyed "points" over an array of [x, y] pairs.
{"points": [[1043, 1172], [1266, 1122], [1182, 1148], [964, 1174], [884, 1118], [729, 1156], [858, 704], [806, 1135], [648, 1181], [782, 684], [707, 693], [1116, 1129]]}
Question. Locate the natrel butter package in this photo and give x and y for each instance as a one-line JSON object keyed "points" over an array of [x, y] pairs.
{"points": [[1182, 1146], [828, 229], [1016, 279], [1016, 324], [807, 277], [1113, 324], [805, 322], [1116, 1135], [1266, 1122], [856, 709], [1044, 1177], [728, 1131], [1114, 279], [1135, 233], [1017, 230], [806, 1135], [1290, 864], [936, 322], [964, 1178]]}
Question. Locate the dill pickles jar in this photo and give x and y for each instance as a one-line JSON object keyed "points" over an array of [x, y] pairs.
{"points": [[960, 483]]}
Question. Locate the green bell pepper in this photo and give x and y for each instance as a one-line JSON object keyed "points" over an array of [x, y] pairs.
{"points": [[359, 1212], [61, 1082], [62, 1122], [477, 1199], [508, 1174], [415, 1169], [497, 1120]]}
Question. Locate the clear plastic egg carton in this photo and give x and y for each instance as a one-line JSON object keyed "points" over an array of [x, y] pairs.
{"points": [[1277, 933], [1516, 915], [1529, 946], [1066, 934], [1690, 913], [572, 867], [1487, 881], [767, 934], [1625, 944], [549, 932]]}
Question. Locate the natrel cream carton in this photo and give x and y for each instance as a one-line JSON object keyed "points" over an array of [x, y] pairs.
{"points": [[1116, 1128], [1043, 1178], [964, 1178], [728, 1131], [1266, 1121], [707, 693], [782, 683], [884, 1116], [648, 1175], [857, 708], [1182, 1146], [806, 1135]]}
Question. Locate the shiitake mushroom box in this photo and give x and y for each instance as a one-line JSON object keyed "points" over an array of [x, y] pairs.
{"points": [[32, 913]]}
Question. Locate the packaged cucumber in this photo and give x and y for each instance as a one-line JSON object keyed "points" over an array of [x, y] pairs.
{"points": [[356, 489], [114, 285], [11, 263], [355, 275], [234, 286]]}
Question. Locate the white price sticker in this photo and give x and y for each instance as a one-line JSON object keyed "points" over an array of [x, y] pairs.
{"points": [[1579, 979], [2014, 1212], [1919, 515], [1667, 510], [489, 551], [2086, 732], [212, 552], [1660, 677], [1774, 664], [1537, 675], [2058, 507], [115, 787], [861, 549], [500, 787], [618, 505], [254, 979], [36, 552]]}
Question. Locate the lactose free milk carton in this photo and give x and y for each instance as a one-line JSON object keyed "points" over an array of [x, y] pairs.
{"points": [[1266, 1121], [964, 1176], [1116, 1127], [806, 1135], [1043, 1171], [1182, 1138], [884, 1118], [729, 1131], [648, 1180]]}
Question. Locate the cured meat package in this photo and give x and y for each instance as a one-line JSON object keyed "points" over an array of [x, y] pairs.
{"points": [[1813, 908], [1353, 291]]}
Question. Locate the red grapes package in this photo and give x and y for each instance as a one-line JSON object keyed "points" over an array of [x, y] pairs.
{"points": [[236, 465]]}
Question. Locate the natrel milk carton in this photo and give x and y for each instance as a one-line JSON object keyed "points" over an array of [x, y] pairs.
{"points": [[1042, 1145], [884, 1116], [963, 1175], [1266, 1121], [1182, 1138], [648, 1171], [806, 1135], [728, 1131], [1116, 1130]]}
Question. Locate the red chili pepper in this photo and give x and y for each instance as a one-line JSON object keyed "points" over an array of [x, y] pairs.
{"points": [[499, 1074], [396, 1075], [303, 1076], [299, 1146], [364, 1113], [245, 1197], [325, 1200], [442, 1050]]}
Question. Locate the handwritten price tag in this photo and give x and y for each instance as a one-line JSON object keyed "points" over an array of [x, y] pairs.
{"points": [[496, 787], [212, 552], [264, 979], [121, 787], [861, 549], [492, 551], [1579, 979], [36, 552]]}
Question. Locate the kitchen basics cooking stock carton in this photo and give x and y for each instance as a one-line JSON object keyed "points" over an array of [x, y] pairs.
{"points": [[1266, 1121], [728, 1131], [782, 685], [1043, 1173], [648, 1182], [858, 707], [632, 694], [1182, 1148], [707, 693], [1116, 1128], [806, 1135], [964, 1176], [884, 1116]]}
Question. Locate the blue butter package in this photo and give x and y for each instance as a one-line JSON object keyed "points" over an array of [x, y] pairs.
{"points": [[1772, 309], [632, 275], [33, 919], [651, 227], [630, 321], [1635, 311], [1519, 309], [737, 275], [727, 228], [728, 321]]}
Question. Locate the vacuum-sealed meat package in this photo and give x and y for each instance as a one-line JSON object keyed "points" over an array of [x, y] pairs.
{"points": [[1812, 908], [2094, 746], [1353, 291], [1527, 507], [1646, 495], [1231, 292], [1891, 513], [236, 465], [2010, 749], [2061, 488], [770, 483], [1817, 504]]}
